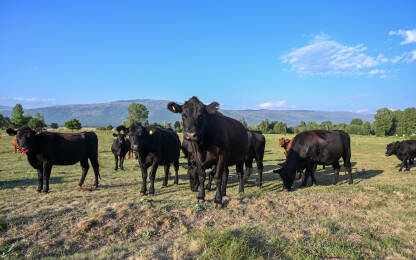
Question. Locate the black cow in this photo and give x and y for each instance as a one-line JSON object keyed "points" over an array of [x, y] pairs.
{"points": [[209, 130], [405, 152], [316, 147], [210, 159], [46, 149], [121, 146], [155, 146], [257, 143]]}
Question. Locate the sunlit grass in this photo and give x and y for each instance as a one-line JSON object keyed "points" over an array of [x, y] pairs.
{"points": [[373, 218]]}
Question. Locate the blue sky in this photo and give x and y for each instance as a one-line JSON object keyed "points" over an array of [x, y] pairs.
{"points": [[327, 55]]}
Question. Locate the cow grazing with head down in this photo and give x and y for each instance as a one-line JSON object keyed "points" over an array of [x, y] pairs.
{"points": [[121, 146], [46, 149], [155, 146], [316, 147], [209, 130], [405, 152]]}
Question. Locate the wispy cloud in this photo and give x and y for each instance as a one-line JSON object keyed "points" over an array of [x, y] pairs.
{"points": [[409, 36], [324, 56], [28, 102], [276, 104], [364, 110]]}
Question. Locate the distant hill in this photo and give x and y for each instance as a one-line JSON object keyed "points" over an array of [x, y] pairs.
{"points": [[113, 113]]}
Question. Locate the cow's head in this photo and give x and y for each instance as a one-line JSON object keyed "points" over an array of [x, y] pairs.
{"points": [[25, 137], [194, 116], [139, 136], [287, 176], [121, 134], [392, 148]]}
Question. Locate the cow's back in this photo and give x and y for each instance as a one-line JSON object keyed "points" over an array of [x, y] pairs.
{"points": [[68, 148], [169, 146], [230, 135]]}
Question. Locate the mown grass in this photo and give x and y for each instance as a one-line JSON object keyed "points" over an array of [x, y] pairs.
{"points": [[373, 218]]}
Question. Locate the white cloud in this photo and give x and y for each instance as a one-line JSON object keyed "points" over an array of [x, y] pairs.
{"points": [[29, 102], [411, 56], [364, 110], [277, 104], [324, 56], [408, 35]]}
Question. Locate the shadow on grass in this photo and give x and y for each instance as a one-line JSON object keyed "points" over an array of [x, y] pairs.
{"points": [[28, 182], [326, 177]]}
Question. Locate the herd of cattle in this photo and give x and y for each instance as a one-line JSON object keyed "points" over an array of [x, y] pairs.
{"points": [[211, 141]]}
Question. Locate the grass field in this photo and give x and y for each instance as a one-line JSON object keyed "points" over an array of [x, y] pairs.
{"points": [[373, 218]]}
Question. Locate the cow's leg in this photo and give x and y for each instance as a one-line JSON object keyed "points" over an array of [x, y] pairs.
{"points": [[260, 167], [47, 167], [143, 169], [240, 172], [201, 176], [85, 167], [166, 179], [176, 167], [224, 182], [40, 179], [310, 171], [249, 169], [406, 165], [155, 164], [116, 160], [96, 168], [336, 172], [122, 161], [211, 175], [218, 179], [306, 176], [323, 166]]}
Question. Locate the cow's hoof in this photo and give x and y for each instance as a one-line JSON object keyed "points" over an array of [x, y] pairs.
{"points": [[176, 183], [350, 182], [218, 205], [45, 191], [115, 169], [200, 200], [143, 193], [151, 194], [164, 186], [39, 190]]}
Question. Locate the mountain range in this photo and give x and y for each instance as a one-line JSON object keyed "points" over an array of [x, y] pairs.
{"points": [[113, 113]]}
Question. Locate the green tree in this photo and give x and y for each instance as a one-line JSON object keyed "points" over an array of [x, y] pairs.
{"points": [[383, 122], [73, 124], [109, 127], [178, 125], [326, 125], [356, 121], [36, 123], [17, 116], [280, 128], [137, 113], [366, 128], [409, 117], [54, 125], [264, 126], [4, 121]]}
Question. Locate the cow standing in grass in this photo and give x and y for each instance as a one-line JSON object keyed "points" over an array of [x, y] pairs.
{"points": [[46, 149], [209, 130], [405, 152], [155, 146], [316, 147], [120, 147]]}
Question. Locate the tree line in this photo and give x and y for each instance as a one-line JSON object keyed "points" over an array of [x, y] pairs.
{"points": [[387, 122]]}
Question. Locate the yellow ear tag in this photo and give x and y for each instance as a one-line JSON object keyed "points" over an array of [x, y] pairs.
{"points": [[174, 109], [151, 132], [122, 132]]}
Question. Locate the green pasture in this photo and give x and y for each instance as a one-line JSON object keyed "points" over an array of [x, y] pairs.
{"points": [[374, 218]]}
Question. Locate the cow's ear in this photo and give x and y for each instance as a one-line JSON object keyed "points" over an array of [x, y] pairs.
{"points": [[213, 107], [115, 135], [11, 131], [175, 108]]}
